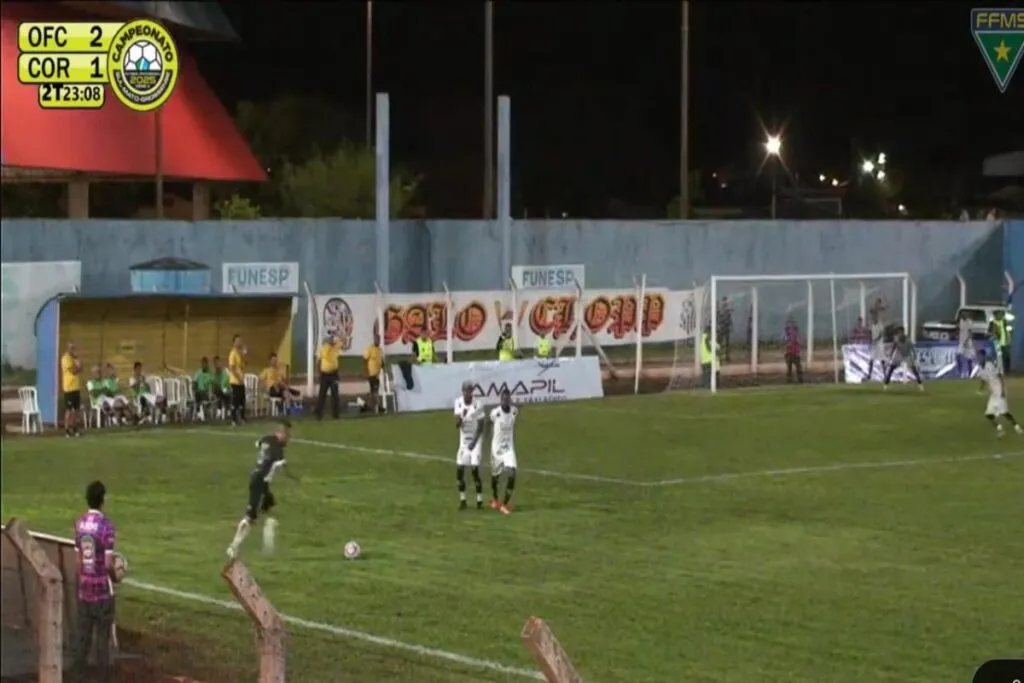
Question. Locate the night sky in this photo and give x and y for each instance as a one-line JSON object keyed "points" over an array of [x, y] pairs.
{"points": [[595, 88]]}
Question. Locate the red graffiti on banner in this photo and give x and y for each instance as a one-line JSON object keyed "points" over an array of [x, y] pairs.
{"points": [[403, 324], [615, 315]]}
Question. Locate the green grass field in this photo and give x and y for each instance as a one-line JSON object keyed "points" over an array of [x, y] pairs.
{"points": [[824, 533]]}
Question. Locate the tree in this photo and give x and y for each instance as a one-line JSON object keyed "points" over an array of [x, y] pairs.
{"points": [[342, 183], [238, 208], [695, 196]]}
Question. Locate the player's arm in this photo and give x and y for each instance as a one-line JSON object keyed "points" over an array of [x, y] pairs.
{"points": [[108, 560], [458, 417], [480, 426]]}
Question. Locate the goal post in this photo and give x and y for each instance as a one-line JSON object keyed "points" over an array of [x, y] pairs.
{"points": [[792, 328]]}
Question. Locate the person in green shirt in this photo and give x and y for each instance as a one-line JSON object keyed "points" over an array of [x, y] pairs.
{"points": [[99, 396], [202, 386], [220, 389], [148, 402]]}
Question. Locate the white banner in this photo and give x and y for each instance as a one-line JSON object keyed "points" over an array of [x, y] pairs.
{"points": [[26, 287], [935, 360], [260, 278], [477, 317], [435, 387], [549, 277]]}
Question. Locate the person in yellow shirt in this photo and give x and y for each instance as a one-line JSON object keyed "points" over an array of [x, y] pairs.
{"points": [[327, 363], [71, 387], [374, 357], [236, 378], [275, 380]]}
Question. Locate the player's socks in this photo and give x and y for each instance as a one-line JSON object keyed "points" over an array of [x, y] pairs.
{"points": [[240, 534], [460, 478], [494, 487], [269, 534], [510, 486], [871, 366], [992, 421], [479, 485]]}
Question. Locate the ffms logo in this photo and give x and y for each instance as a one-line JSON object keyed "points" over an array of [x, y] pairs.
{"points": [[999, 34]]}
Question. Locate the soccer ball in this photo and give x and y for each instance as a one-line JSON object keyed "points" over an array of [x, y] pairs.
{"points": [[352, 550], [120, 566], [142, 56]]}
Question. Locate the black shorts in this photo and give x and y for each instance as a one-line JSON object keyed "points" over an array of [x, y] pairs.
{"points": [[374, 384], [260, 499], [238, 395], [72, 400]]}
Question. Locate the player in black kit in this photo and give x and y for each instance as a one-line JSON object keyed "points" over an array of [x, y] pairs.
{"points": [[270, 460]]}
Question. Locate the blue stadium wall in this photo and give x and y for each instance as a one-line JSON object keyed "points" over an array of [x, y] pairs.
{"points": [[1013, 263], [338, 256]]}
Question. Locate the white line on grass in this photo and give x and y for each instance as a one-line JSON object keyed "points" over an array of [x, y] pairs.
{"points": [[679, 481], [351, 634], [838, 467], [434, 458]]}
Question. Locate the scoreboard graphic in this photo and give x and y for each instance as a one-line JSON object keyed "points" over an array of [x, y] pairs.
{"points": [[79, 65]]}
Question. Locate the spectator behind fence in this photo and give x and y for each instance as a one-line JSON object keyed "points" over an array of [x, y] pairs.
{"points": [[94, 542], [275, 380], [221, 385], [792, 349], [203, 384]]}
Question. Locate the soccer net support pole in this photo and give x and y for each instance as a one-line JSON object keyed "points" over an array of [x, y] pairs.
{"points": [[548, 653], [270, 634], [579, 314], [513, 289], [49, 601], [641, 311], [449, 324], [312, 322]]}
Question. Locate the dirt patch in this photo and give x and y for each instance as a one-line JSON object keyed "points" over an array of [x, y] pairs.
{"points": [[158, 659]]}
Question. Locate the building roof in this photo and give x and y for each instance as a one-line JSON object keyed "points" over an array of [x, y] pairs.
{"points": [[200, 140], [1008, 165]]}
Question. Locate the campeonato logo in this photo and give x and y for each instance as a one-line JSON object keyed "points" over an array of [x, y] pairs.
{"points": [[142, 65]]}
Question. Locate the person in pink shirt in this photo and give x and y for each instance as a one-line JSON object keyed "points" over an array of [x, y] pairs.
{"points": [[95, 537]]}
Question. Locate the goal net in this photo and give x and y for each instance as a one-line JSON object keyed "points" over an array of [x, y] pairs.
{"points": [[776, 329]]}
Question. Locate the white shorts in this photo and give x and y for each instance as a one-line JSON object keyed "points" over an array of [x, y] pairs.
{"points": [[469, 457], [502, 460], [106, 402], [996, 406], [878, 353]]}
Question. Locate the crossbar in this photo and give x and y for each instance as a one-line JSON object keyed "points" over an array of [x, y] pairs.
{"points": [[813, 277]]}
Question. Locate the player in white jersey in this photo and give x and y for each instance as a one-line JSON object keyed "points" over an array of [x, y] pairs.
{"points": [[878, 354], [992, 375], [503, 450], [965, 350], [469, 420]]}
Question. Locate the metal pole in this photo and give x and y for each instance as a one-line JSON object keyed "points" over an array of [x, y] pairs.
{"points": [[369, 73], [775, 166], [684, 117], [158, 154], [488, 110]]}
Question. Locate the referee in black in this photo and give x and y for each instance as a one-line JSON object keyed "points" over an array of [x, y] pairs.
{"points": [[327, 364]]}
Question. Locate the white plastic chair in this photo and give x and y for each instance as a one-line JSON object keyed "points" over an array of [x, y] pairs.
{"points": [[174, 399], [387, 392], [252, 393], [188, 396], [156, 387], [276, 406], [31, 420], [96, 415]]}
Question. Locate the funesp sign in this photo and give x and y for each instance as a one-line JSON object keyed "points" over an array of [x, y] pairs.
{"points": [[260, 278]]}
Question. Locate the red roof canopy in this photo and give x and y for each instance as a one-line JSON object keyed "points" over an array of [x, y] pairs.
{"points": [[200, 141]]}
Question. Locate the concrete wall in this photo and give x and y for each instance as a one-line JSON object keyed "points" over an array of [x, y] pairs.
{"points": [[338, 256]]}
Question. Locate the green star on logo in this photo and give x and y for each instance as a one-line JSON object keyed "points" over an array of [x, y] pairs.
{"points": [[999, 34]]}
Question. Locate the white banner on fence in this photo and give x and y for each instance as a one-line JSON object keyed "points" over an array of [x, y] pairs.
{"points": [[549, 277], [609, 314], [260, 278], [26, 287], [435, 387]]}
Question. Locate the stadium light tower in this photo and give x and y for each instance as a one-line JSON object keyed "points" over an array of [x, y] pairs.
{"points": [[773, 149], [868, 167], [369, 74]]}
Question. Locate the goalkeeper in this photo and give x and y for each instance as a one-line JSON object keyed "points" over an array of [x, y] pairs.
{"points": [[903, 353]]}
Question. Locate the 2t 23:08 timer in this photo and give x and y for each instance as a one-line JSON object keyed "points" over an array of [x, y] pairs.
{"points": [[71, 96]]}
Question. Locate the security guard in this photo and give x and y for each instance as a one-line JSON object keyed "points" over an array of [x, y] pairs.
{"points": [[543, 347], [506, 346], [423, 349], [707, 357], [327, 364]]}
